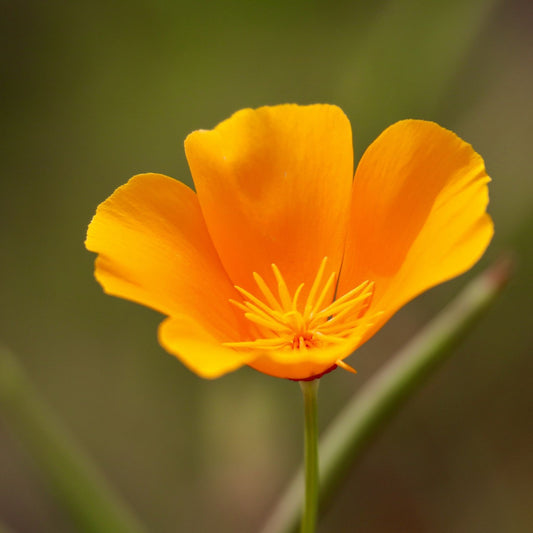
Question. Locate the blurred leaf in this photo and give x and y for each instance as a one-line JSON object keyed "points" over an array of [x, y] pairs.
{"points": [[70, 474]]}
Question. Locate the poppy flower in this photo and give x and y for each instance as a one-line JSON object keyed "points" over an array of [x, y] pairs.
{"points": [[281, 259]]}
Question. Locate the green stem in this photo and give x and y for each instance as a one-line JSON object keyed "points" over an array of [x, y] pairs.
{"points": [[72, 477], [309, 515], [384, 394]]}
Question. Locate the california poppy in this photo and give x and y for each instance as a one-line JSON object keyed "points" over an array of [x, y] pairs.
{"points": [[281, 259]]}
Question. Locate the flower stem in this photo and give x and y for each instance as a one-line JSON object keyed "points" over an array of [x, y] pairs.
{"points": [[309, 515]]}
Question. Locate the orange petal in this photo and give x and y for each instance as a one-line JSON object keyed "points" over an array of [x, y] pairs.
{"points": [[296, 371], [274, 186], [198, 348], [153, 248], [418, 214]]}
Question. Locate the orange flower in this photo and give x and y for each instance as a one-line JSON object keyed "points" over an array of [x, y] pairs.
{"points": [[280, 260]]}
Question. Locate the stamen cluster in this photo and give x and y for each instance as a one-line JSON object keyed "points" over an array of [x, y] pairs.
{"points": [[285, 323]]}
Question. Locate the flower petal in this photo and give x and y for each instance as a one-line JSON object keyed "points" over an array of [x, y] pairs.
{"points": [[274, 186], [153, 248], [198, 348], [418, 214]]}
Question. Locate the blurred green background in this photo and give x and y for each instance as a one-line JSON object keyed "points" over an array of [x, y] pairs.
{"points": [[94, 92]]}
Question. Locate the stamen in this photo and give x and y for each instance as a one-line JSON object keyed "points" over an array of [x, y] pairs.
{"points": [[263, 287], [271, 316], [345, 366], [301, 343], [285, 324], [296, 295], [283, 291], [239, 305], [255, 300], [323, 294], [314, 287], [332, 339], [273, 343], [269, 324], [349, 298]]}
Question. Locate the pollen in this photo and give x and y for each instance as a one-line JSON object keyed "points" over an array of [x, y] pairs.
{"points": [[285, 322]]}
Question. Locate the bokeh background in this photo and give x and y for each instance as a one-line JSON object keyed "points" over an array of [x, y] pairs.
{"points": [[94, 92]]}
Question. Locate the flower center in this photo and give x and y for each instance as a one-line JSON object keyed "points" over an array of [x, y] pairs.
{"points": [[283, 322]]}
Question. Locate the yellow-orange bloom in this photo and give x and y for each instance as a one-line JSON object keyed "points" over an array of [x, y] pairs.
{"points": [[281, 260]]}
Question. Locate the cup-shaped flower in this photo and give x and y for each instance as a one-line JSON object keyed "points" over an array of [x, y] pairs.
{"points": [[282, 259]]}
